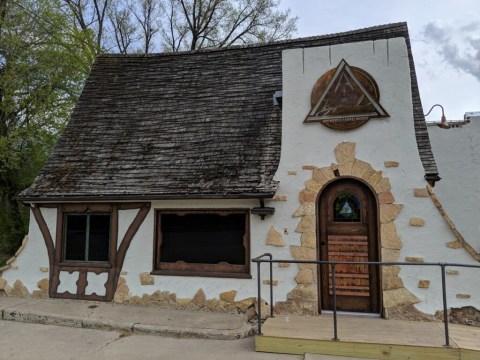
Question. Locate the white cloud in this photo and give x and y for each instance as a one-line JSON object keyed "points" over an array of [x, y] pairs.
{"points": [[459, 47]]}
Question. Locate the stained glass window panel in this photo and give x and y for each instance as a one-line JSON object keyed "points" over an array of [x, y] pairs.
{"points": [[346, 208]]}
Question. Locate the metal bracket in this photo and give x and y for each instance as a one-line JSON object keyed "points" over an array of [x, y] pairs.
{"points": [[262, 211]]}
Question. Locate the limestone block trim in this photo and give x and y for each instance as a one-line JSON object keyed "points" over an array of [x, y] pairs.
{"points": [[423, 192], [459, 237], [274, 238], [423, 284], [347, 166], [273, 283], [391, 164], [455, 244], [416, 221], [226, 302], [146, 279], [452, 272], [18, 289]]}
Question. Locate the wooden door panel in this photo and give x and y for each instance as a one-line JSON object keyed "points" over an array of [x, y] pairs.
{"points": [[355, 241], [350, 279]]}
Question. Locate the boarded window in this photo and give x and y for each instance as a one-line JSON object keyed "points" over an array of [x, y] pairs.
{"points": [[86, 237], [209, 243]]}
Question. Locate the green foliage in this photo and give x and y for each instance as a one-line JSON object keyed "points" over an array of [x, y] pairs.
{"points": [[48, 46], [43, 62]]}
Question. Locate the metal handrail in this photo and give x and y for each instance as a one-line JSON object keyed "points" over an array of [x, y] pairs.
{"points": [[261, 259]]}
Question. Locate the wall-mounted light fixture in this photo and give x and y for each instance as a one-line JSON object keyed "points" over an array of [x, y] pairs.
{"points": [[443, 122], [277, 98], [262, 210]]}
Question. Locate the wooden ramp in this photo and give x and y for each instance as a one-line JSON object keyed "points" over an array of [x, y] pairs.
{"points": [[368, 337]]}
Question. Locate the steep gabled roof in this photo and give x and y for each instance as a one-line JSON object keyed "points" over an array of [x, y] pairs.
{"points": [[186, 125]]}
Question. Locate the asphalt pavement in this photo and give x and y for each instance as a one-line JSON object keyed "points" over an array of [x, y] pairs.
{"points": [[84, 330], [22, 341], [126, 318]]}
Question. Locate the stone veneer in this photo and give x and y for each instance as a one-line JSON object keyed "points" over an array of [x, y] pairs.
{"points": [[303, 299], [225, 302], [467, 315]]}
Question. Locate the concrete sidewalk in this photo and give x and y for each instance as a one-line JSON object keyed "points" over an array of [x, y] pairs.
{"points": [[126, 318]]}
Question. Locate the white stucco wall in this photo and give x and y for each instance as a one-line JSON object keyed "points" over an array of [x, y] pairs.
{"points": [[140, 255], [457, 153], [34, 256], [390, 139]]}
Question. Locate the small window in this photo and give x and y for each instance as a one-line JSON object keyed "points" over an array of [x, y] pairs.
{"points": [[346, 208], [206, 243], [86, 237]]}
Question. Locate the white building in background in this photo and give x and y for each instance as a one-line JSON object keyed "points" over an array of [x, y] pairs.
{"points": [[457, 153]]}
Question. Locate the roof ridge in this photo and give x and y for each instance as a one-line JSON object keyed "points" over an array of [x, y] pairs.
{"points": [[259, 45]]}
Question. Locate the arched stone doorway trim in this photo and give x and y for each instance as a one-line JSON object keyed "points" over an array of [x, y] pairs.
{"points": [[303, 299]]}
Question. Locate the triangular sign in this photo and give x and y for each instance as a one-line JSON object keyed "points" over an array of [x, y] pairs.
{"points": [[346, 209], [350, 95]]}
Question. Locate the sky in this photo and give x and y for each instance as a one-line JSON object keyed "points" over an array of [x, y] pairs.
{"points": [[445, 38]]}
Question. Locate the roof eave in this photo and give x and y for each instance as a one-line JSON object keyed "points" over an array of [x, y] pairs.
{"points": [[116, 198]]}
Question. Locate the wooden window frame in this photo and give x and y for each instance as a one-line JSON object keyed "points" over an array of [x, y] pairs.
{"points": [[87, 239], [223, 270], [65, 209]]}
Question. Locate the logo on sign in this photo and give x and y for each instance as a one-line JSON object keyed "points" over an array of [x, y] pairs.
{"points": [[345, 98]]}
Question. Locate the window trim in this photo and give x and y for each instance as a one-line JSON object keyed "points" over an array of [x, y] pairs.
{"points": [[198, 269], [83, 209], [88, 214]]}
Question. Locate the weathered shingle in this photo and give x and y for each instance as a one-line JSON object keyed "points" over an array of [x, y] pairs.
{"points": [[186, 125]]}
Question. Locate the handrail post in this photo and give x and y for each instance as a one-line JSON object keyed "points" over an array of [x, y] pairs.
{"points": [[259, 300], [335, 337], [445, 310], [271, 286]]}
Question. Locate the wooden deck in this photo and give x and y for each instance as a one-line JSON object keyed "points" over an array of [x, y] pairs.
{"points": [[368, 337]]}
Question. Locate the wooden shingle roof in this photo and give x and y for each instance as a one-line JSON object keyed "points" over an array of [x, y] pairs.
{"points": [[186, 125]]}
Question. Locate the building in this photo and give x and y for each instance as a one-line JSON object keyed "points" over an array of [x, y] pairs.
{"points": [[176, 169]]}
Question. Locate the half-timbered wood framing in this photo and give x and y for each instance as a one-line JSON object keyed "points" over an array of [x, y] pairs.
{"points": [[117, 251]]}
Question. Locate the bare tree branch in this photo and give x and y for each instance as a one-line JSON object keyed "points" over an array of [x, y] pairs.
{"points": [[100, 11], [123, 28], [176, 25], [147, 14]]}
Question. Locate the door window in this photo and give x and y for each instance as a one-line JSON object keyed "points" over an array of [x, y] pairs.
{"points": [[346, 208]]}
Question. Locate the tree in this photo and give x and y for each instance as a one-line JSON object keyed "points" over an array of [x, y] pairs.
{"points": [[196, 24], [43, 62], [175, 25], [48, 46]]}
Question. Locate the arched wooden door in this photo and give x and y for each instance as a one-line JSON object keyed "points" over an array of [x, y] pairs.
{"points": [[347, 231]]}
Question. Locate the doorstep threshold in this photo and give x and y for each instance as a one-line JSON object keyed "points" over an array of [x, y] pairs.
{"points": [[351, 313]]}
